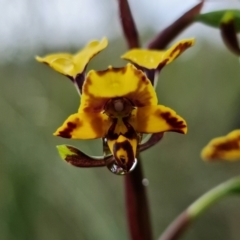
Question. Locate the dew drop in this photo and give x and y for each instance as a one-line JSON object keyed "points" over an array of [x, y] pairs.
{"points": [[118, 170]]}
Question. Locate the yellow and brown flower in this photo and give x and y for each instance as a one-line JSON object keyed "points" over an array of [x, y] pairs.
{"points": [[119, 105]]}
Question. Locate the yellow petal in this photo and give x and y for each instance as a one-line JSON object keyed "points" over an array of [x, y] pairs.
{"points": [[84, 126], [153, 59], [128, 82], [59, 63], [224, 148], [71, 65], [154, 119]]}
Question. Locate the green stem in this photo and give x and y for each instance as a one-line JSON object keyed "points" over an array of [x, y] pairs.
{"points": [[208, 199], [182, 222]]}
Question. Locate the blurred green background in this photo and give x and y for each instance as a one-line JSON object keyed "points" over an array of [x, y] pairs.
{"points": [[42, 197]]}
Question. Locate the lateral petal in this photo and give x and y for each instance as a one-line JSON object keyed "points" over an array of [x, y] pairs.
{"points": [[84, 126], [153, 59], [155, 119], [82, 58], [60, 62], [72, 65]]}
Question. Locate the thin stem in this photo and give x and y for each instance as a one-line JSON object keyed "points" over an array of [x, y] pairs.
{"points": [[173, 30], [137, 205], [154, 139], [181, 223], [128, 24], [208, 199]]}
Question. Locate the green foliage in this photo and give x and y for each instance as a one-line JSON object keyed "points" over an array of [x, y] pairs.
{"points": [[215, 18]]}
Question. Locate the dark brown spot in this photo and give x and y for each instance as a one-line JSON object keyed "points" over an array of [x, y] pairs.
{"points": [[180, 48], [228, 146], [111, 135], [130, 133], [117, 70], [101, 73], [162, 64], [66, 133], [140, 75], [174, 122], [219, 149], [144, 79]]}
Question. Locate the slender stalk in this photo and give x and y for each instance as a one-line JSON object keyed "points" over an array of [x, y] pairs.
{"points": [[173, 30], [229, 187], [137, 205], [128, 24], [154, 139], [181, 223]]}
